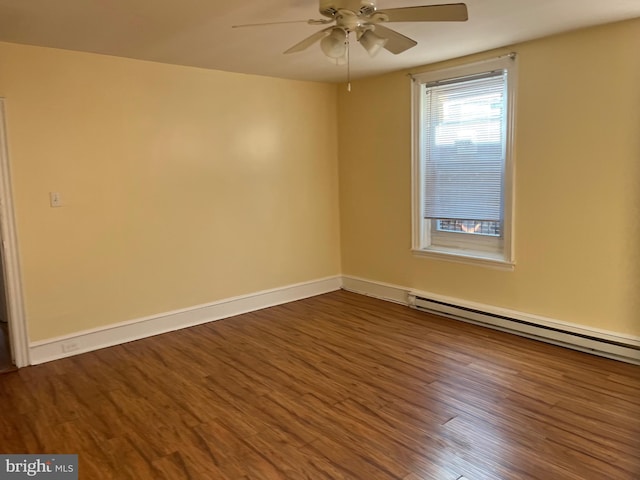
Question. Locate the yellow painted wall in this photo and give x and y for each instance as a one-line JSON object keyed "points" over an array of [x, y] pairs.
{"points": [[183, 186], [577, 216], [180, 186]]}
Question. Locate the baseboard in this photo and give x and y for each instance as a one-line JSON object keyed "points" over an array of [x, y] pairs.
{"points": [[116, 334], [383, 291], [578, 337]]}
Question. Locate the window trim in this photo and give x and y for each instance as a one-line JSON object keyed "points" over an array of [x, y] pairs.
{"points": [[506, 260]]}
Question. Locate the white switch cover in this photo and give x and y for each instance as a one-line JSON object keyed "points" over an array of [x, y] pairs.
{"points": [[55, 199]]}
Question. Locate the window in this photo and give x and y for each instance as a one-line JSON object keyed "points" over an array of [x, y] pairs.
{"points": [[462, 130]]}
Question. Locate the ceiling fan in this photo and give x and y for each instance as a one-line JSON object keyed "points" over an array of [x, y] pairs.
{"points": [[366, 21]]}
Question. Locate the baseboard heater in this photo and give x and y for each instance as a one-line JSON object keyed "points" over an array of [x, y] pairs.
{"points": [[606, 347]]}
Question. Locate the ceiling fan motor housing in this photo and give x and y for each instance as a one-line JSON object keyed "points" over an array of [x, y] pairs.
{"points": [[330, 8]]}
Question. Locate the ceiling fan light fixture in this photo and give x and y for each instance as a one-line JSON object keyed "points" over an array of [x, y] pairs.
{"points": [[372, 42], [339, 61], [334, 45], [362, 18]]}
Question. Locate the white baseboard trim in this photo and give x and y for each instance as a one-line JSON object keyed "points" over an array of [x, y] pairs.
{"points": [[383, 291], [591, 340], [116, 334]]}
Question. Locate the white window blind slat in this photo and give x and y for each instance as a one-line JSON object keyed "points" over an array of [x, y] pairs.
{"points": [[464, 148]]}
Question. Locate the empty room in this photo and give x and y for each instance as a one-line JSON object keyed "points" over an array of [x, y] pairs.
{"points": [[320, 239]]}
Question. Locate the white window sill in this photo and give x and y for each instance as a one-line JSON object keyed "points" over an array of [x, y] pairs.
{"points": [[470, 258]]}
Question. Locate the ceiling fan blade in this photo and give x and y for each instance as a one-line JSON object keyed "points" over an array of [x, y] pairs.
{"points": [[397, 43], [310, 22], [454, 12], [307, 42]]}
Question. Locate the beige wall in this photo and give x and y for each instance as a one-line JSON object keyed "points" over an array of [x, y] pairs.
{"points": [[577, 217], [184, 186], [180, 186]]}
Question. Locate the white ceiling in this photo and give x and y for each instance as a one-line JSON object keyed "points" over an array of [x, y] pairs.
{"points": [[199, 33]]}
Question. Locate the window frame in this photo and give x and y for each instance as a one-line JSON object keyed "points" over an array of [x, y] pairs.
{"points": [[461, 248]]}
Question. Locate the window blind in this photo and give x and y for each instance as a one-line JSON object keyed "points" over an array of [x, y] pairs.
{"points": [[464, 147]]}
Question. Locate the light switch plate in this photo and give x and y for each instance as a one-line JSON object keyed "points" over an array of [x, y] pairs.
{"points": [[55, 199]]}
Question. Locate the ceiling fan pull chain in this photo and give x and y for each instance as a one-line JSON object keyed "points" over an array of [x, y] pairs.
{"points": [[348, 62]]}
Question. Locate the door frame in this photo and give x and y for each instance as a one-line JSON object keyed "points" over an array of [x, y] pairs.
{"points": [[9, 249]]}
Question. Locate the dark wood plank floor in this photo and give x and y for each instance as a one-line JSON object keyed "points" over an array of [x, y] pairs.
{"points": [[339, 386]]}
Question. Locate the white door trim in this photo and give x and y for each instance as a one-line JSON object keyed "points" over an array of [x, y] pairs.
{"points": [[9, 245]]}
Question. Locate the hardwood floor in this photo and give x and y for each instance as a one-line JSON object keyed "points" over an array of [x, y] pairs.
{"points": [[339, 386]]}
